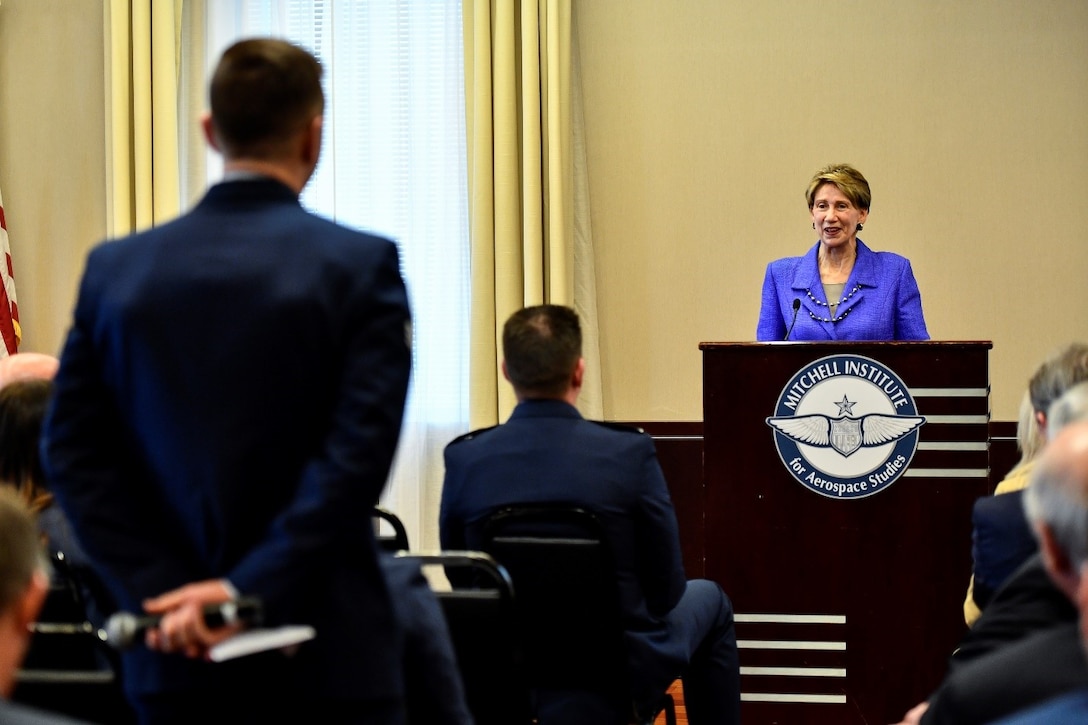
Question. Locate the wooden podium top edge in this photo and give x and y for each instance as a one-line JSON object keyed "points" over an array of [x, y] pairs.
{"points": [[988, 344]]}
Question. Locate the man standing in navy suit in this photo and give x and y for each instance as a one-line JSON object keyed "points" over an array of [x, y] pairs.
{"points": [[227, 408], [546, 451]]}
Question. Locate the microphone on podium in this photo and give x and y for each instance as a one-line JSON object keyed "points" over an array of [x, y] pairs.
{"points": [[796, 306], [124, 629]]}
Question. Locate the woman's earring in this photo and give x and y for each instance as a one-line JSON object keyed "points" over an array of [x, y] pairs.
{"points": [[813, 225], [859, 227]]}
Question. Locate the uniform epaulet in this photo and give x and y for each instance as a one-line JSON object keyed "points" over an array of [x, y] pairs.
{"points": [[627, 427], [471, 434]]}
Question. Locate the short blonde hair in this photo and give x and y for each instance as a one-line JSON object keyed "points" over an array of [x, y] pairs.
{"points": [[849, 180]]}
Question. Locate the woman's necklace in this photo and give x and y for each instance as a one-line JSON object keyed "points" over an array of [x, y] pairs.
{"points": [[840, 303]]}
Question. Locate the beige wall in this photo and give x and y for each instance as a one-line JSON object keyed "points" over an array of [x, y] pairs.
{"points": [[52, 154], [705, 120]]}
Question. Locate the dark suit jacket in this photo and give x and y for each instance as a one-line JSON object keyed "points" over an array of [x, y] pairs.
{"points": [[886, 306], [546, 451], [1027, 603], [1002, 540], [1024, 649], [228, 403], [1030, 671]]}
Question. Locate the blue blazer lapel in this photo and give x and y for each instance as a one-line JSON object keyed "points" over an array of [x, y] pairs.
{"points": [[865, 275], [808, 288]]}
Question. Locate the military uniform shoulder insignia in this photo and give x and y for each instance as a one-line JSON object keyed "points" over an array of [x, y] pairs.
{"points": [[626, 427], [472, 434]]}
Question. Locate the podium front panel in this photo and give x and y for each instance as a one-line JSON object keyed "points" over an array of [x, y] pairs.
{"points": [[849, 585]]}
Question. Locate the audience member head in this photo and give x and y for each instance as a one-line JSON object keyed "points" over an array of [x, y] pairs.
{"points": [[24, 581], [542, 351], [1056, 504], [27, 366], [1071, 406], [266, 108], [849, 181], [23, 404], [1057, 374]]}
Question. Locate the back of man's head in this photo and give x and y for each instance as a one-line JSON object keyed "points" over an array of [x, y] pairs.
{"points": [[1057, 374], [541, 347], [27, 366], [1069, 408], [21, 552], [1056, 503], [263, 91]]}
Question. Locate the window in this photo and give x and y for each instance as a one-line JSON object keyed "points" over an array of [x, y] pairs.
{"points": [[393, 162]]}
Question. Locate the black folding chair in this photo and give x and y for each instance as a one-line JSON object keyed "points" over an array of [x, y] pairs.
{"points": [[392, 542], [479, 613], [567, 603]]}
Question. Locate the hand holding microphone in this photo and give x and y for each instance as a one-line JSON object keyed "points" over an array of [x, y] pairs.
{"points": [[185, 619], [124, 629]]}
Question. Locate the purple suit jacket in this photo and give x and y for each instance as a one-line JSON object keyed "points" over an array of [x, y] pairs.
{"points": [[883, 300]]}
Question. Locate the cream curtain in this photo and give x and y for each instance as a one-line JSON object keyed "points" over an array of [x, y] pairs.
{"points": [[519, 80], [143, 60]]}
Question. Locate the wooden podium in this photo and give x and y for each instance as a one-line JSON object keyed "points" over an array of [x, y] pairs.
{"points": [[844, 542]]}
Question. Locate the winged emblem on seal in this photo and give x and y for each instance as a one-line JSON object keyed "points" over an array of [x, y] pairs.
{"points": [[846, 434]]}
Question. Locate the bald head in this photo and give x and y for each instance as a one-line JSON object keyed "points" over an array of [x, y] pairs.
{"points": [[27, 366]]}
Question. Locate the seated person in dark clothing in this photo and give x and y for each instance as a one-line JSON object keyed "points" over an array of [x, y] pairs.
{"points": [[1024, 648], [1072, 707], [1051, 380], [1002, 541], [546, 451]]}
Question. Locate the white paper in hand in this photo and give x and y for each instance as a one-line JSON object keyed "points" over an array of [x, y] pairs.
{"points": [[260, 640]]}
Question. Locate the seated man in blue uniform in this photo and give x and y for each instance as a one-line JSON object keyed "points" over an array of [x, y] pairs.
{"points": [[546, 451]]}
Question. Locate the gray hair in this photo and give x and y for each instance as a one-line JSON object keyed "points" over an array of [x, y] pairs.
{"points": [[1057, 498], [1069, 408]]}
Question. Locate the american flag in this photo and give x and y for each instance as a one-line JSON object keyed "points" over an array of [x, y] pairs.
{"points": [[9, 309]]}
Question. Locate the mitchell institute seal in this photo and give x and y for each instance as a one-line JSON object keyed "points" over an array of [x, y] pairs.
{"points": [[846, 426]]}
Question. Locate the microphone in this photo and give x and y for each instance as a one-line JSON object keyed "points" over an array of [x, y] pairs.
{"points": [[796, 306], [123, 629]]}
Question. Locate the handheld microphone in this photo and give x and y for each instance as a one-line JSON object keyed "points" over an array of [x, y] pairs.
{"points": [[124, 629], [796, 306]]}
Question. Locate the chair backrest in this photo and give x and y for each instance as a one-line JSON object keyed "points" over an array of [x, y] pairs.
{"points": [[391, 542], [480, 619], [567, 594]]}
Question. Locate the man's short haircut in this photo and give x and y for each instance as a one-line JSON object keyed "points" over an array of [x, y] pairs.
{"points": [[21, 550], [263, 91], [1057, 374], [542, 346]]}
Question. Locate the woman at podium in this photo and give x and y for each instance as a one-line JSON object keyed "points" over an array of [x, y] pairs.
{"points": [[840, 289]]}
